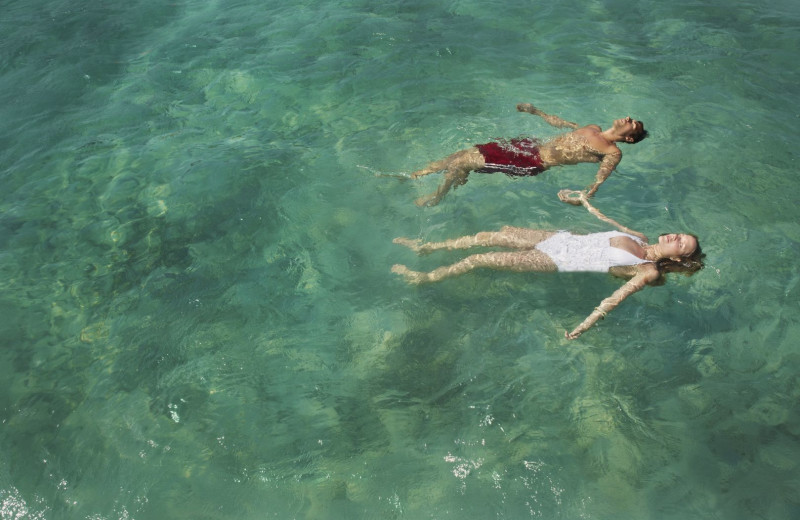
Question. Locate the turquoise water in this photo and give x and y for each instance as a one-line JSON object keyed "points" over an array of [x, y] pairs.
{"points": [[197, 318]]}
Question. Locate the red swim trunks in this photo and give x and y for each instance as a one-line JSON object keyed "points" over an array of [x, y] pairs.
{"points": [[518, 157]]}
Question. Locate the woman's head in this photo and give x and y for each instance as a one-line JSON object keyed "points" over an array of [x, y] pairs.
{"points": [[676, 245], [679, 253]]}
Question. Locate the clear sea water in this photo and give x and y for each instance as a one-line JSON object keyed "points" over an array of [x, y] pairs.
{"points": [[197, 317]]}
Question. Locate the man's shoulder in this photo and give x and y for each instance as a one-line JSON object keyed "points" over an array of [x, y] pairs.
{"points": [[602, 145]]}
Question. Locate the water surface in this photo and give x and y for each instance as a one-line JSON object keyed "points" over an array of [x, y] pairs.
{"points": [[197, 318]]}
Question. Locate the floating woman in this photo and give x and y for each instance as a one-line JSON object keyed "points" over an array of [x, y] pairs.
{"points": [[626, 254]]}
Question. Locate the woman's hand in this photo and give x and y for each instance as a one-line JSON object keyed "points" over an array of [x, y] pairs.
{"points": [[571, 335]]}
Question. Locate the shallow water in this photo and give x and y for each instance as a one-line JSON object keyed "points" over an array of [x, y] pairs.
{"points": [[197, 318]]}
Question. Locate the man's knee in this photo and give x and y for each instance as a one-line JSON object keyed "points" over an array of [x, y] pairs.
{"points": [[458, 176]]}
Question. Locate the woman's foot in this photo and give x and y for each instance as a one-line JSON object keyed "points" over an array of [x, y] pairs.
{"points": [[412, 277], [413, 244]]}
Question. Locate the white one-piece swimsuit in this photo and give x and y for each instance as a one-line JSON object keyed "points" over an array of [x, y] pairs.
{"points": [[588, 252]]}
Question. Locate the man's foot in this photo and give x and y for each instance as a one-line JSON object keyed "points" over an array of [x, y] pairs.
{"points": [[423, 172], [401, 176]]}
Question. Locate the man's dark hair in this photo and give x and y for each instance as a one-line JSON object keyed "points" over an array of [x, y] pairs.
{"points": [[641, 135]]}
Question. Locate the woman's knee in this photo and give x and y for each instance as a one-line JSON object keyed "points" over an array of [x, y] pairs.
{"points": [[510, 228]]}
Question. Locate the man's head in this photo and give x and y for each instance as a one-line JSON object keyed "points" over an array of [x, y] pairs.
{"points": [[631, 130]]}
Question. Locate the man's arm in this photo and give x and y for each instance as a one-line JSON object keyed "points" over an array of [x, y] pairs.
{"points": [[551, 120], [607, 165], [635, 284]]}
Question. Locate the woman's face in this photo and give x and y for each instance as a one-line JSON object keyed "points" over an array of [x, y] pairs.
{"points": [[674, 245]]}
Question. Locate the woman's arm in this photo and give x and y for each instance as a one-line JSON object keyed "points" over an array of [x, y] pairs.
{"points": [[551, 120], [584, 200], [635, 284]]}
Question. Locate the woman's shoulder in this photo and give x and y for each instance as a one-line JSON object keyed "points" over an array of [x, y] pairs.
{"points": [[629, 236], [647, 270]]}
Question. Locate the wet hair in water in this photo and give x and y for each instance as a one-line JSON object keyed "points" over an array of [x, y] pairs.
{"points": [[687, 265]]}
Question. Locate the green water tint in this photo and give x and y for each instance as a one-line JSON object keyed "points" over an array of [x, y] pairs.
{"points": [[198, 318]]}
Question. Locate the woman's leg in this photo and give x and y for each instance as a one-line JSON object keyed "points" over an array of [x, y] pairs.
{"points": [[523, 261], [508, 236]]}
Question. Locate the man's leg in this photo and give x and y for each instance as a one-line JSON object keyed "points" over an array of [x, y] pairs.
{"points": [[458, 167]]}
